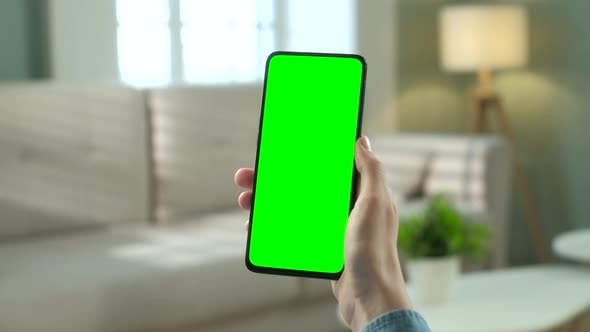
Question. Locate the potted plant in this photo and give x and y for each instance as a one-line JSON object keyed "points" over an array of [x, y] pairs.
{"points": [[432, 244]]}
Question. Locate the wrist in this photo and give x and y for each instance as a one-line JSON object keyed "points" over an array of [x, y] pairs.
{"points": [[386, 296]]}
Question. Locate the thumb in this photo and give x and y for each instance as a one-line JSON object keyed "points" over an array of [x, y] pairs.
{"points": [[369, 167]]}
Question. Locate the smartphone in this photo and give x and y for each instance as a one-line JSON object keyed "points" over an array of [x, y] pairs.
{"points": [[304, 182]]}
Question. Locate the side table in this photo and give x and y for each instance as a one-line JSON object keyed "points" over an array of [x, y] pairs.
{"points": [[574, 245]]}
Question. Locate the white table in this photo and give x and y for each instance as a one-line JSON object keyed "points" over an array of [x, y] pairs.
{"points": [[531, 299], [574, 245]]}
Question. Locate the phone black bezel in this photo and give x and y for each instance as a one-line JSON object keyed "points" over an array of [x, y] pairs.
{"points": [[353, 192]]}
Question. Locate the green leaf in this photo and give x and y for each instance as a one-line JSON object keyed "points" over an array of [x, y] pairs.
{"points": [[441, 230]]}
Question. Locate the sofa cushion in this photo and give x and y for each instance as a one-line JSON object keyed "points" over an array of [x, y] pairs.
{"points": [[130, 279], [72, 156], [201, 135]]}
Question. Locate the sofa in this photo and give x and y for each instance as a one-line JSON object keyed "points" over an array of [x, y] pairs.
{"points": [[474, 172], [118, 210]]}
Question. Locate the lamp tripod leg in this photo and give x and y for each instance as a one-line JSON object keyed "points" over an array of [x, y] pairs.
{"points": [[522, 185]]}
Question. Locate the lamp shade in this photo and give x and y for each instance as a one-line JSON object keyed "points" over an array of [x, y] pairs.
{"points": [[483, 37]]}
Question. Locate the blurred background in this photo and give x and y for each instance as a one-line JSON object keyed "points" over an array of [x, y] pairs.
{"points": [[123, 121]]}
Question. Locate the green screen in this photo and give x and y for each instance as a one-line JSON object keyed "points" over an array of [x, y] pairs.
{"points": [[305, 162]]}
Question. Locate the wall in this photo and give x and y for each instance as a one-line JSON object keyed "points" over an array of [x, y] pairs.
{"points": [[376, 38], [23, 36], [14, 38], [83, 46], [546, 104]]}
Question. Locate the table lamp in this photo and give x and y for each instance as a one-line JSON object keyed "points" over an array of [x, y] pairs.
{"points": [[483, 38]]}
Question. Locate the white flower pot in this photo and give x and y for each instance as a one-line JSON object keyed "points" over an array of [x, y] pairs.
{"points": [[432, 279]]}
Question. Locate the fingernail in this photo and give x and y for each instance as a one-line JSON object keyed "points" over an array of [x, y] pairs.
{"points": [[366, 143]]}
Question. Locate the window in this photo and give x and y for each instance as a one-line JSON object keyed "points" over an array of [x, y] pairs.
{"points": [[193, 41], [226, 40], [223, 41], [143, 41]]}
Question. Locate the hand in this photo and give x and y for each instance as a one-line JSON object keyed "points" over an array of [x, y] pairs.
{"points": [[372, 282]]}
